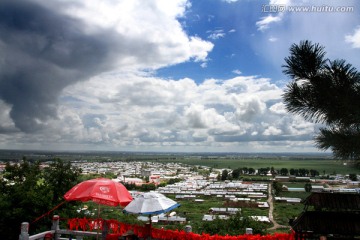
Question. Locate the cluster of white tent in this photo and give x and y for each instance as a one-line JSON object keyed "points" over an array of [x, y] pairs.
{"points": [[209, 188]]}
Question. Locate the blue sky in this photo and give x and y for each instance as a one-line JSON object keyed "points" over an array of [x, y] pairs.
{"points": [[161, 75], [232, 29], [240, 45]]}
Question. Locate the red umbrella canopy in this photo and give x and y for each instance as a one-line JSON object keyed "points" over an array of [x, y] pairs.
{"points": [[100, 190]]}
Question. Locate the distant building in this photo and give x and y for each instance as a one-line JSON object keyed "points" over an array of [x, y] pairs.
{"points": [[154, 179], [288, 200], [2, 167], [226, 211], [145, 172], [136, 181], [353, 184], [317, 188], [282, 178], [261, 218], [296, 189], [331, 214], [303, 179]]}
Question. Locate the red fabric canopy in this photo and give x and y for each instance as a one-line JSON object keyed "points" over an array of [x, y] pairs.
{"points": [[100, 190], [117, 229]]}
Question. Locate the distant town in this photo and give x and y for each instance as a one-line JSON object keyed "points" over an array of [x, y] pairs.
{"points": [[195, 182]]}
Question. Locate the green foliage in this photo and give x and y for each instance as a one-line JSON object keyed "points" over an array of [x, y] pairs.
{"points": [[60, 177], [235, 225], [28, 193], [303, 172], [174, 180], [283, 212], [328, 92], [251, 170], [302, 195], [284, 171], [144, 187], [224, 175], [286, 211], [308, 187], [97, 175], [273, 171], [353, 177], [263, 171], [23, 197], [314, 173], [130, 186], [147, 187], [277, 186], [195, 212], [236, 173]]}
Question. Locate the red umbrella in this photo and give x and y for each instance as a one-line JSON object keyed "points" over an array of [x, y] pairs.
{"points": [[100, 190]]}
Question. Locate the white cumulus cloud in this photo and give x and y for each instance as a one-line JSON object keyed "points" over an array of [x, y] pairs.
{"points": [[266, 21], [130, 111], [354, 39]]}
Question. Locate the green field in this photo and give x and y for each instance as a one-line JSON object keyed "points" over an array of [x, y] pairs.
{"points": [[327, 166], [283, 212]]}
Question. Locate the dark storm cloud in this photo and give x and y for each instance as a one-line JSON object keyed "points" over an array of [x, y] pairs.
{"points": [[42, 52]]}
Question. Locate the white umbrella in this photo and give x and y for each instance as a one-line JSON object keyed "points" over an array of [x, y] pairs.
{"points": [[150, 203]]}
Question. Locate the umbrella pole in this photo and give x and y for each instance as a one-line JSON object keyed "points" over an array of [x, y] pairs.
{"points": [[150, 227], [98, 210], [97, 235]]}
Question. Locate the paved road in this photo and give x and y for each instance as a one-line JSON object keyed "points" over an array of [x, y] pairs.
{"points": [[271, 210]]}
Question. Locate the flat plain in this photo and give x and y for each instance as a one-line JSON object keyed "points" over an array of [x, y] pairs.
{"points": [[324, 166]]}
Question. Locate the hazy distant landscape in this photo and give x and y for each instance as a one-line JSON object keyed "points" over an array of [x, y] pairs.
{"points": [[323, 162]]}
